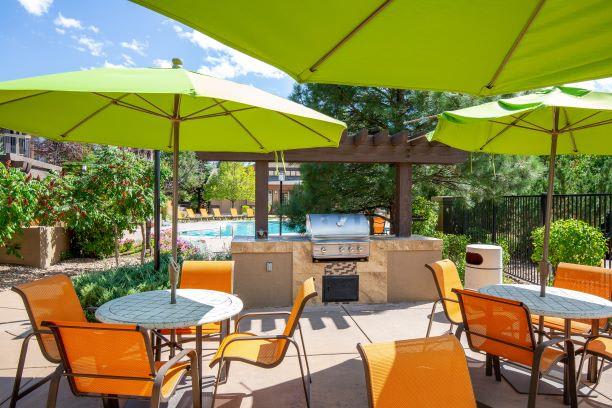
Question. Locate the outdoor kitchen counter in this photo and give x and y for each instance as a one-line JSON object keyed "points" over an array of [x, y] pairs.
{"points": [[269, 272]]}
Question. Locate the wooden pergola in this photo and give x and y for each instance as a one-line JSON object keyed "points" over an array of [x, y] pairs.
{"points": [[397, 149]]}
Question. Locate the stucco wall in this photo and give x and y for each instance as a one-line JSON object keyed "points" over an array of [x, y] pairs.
{"points": [[41, 247]]}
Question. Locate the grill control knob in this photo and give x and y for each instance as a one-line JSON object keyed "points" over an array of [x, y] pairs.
{"points": [[360, 249], [351, 249], [341, 249], [323, 249]]}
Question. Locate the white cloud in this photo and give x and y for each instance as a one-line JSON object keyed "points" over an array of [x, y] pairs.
{"points": [[127, 60], [89, 44], [225, 61], [94, 29], [602, 85], [60, 31], [111, 65], [136, 46], [67, 22], [36, 7], [162, 63]]}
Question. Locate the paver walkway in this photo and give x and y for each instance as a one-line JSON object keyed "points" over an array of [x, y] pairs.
{"points": [[331, 333]]}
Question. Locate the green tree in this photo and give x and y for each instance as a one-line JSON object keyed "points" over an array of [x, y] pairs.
{"points": [[583, 174], [232, 181], [193, 176]]}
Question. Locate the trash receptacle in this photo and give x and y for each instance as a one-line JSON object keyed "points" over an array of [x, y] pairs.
{"points": [[483, 265]]}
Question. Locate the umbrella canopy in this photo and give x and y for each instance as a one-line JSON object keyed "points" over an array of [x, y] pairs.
{"points": [[523, 125], [163, 109], [473, 46], [134, 107], [562, 120]]}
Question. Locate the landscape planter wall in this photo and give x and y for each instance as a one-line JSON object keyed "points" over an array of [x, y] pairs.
{"points": [[40, 247]]}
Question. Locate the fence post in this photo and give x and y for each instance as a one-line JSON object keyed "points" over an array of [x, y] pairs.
{"points": [[542, 209], [494, 229]]}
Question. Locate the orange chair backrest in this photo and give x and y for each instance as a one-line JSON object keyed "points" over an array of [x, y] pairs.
{"points": [[234, 212], [216, 212], [190, 213], [447, 278], [213, 275], [498, 326], [589, 279], [203, 212], [250, 212], [91, 351], [378, 225], [51, 298], [428, 372]]}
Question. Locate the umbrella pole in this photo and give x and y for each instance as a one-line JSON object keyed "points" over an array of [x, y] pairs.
{"points": [[545, 266], [175, 197]]}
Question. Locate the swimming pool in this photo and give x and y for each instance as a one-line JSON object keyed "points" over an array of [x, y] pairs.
{"points": [[232, 228]]}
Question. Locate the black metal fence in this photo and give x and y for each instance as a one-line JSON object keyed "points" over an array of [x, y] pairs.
{"points": [[513, 218]]}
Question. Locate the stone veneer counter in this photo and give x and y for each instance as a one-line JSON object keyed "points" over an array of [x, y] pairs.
{"points": [[394, 272]]}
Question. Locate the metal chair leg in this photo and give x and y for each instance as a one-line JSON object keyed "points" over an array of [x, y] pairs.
{"points": [[306, 387], [489, 365], [217, 379], [534, 383], [305, 354], [54, 387], [431, 316], [497, 368]]}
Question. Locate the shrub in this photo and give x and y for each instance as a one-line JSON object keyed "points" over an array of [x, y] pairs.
{"points": [[572, 241], [453, 248], [426, 214], [126, 245]]}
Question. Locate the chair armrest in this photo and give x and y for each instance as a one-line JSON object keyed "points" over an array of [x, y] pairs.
{"points": [[161, 373], [539, 351], [449, 300], [91, 309], [257, 314]]}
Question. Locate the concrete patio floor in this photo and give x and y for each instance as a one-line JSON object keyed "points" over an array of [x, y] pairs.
{"points": [[331, 334]]}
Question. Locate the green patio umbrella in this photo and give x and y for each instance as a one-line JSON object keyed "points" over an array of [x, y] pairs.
{"points": [[473, 46], [561, 120], [164, 109]]}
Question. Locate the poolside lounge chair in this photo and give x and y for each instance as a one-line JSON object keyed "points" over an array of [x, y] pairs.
{"points": [[250, 213], [213, 275], [204, 214], [112, 361], [270, 350], [192, 215], [597, 347], [378, 225], [182, 216], [217, 214], [446, 277], [502, 328], [417, 373], [589, 279], [234, 214], [45, 299]]}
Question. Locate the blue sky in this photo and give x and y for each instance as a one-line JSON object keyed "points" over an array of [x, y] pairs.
{"points": [[49, 36]]}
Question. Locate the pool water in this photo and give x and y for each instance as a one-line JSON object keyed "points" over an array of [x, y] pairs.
{"points": [[232, 228]]}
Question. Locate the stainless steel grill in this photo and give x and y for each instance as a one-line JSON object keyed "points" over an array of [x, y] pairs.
{"points": [[339, 236]]}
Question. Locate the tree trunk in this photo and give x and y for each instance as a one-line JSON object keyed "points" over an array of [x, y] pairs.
{"points": [[149, 223], [144, 242], [116, 247]]}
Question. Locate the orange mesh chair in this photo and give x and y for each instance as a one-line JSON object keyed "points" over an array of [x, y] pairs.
{"points": [[44, 299], [204, 213], [428, 372], [589, 279], [502, 328], [192, 215], [446, 278], [597, 347], [115, 361], [378, 225], [212, 275], [267, 351], [250, 213]]}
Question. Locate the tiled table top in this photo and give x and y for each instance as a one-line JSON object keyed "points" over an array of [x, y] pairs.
{"points": [[152, 310], [563, 303]]}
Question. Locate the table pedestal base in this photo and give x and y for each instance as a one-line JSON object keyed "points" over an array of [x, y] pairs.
{"points": [[519, 379]]}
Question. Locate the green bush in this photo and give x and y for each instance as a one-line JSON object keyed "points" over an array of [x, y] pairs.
{"points": [[425, 213], [571, 241], [453, 248]]}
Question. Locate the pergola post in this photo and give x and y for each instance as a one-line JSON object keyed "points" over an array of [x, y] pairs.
{"points": [[403, 199], [261, 199]]}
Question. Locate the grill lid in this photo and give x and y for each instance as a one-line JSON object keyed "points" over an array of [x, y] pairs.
{"points": [[337, 227]]}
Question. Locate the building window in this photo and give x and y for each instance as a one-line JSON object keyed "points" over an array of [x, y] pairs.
{"points": [[12, 147]]}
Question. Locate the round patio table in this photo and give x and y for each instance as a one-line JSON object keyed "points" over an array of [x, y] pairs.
{"points": [[153, 310], [562, 303]]}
